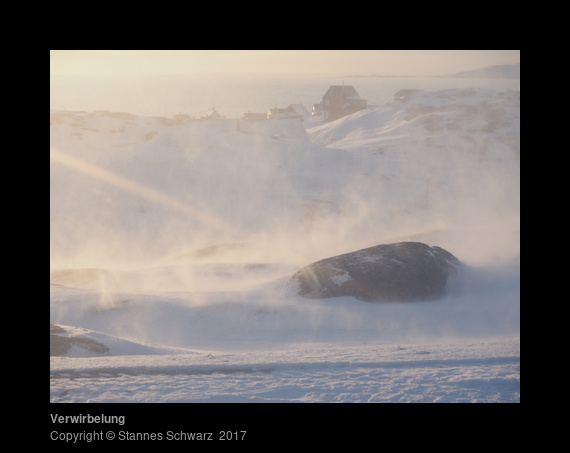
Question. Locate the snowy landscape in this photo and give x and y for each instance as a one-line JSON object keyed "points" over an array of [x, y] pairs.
{"points": [[173, 243]]}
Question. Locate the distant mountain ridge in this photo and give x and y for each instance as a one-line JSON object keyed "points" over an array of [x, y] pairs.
{"points": [[506, 71]]}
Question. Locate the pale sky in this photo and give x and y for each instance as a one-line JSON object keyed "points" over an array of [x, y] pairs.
{"points": [[274, 62]]}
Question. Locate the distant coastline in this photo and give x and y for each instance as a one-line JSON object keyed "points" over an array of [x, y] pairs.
{"points": [[386, 76]]}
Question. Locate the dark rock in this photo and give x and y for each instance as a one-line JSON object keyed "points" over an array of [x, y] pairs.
{"points": [[400, 272], [61, 344], [54, 328]]}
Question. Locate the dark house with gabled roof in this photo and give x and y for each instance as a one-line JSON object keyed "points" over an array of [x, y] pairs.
{"points": [[341, 100]]}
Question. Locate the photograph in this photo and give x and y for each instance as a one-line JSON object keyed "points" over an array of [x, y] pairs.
{"points": [[280, 226]]}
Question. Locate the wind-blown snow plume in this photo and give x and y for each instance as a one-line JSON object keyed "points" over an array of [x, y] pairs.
{"points": [[145, 206]]}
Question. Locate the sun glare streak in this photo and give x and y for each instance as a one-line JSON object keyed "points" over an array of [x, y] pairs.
{"points": [[128, 185]]}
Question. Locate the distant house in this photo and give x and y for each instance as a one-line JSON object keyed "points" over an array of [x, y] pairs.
{"points": [[180, 117], [254, 116], [341, 100], [277, 113], [300, 110], [212, 114], [293, 111]]}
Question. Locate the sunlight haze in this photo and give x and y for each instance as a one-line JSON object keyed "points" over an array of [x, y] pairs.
{"points": [[274, 62]]}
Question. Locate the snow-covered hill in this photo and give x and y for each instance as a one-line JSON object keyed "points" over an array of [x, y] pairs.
{"points": [[172, 243]]}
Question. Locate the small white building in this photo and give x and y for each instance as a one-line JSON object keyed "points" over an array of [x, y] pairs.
{"points": [[300, 109], [293, 111]]}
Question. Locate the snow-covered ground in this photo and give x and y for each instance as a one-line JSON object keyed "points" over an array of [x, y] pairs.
{"points": [[172, 245], [463, 372]]}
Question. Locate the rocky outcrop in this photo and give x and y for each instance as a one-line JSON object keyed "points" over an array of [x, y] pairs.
{"points": [[60, 343], [400, 272]]}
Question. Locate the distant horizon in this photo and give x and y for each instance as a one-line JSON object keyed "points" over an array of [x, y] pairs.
{"points": [[267, 75]]}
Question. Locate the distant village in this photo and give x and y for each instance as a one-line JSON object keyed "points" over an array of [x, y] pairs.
{"points": [[338, 101]]}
